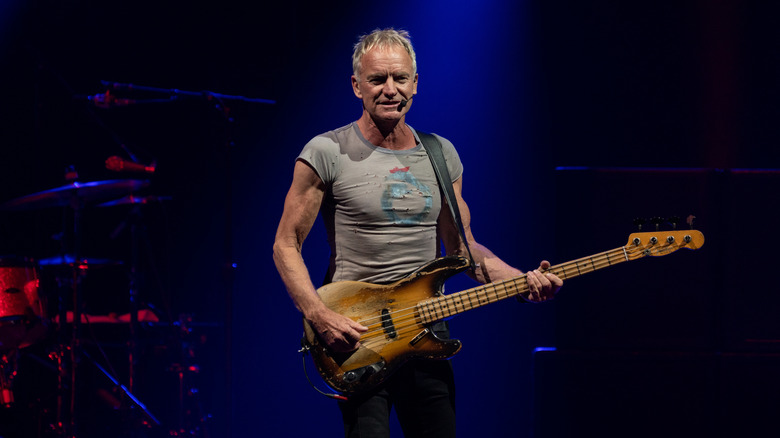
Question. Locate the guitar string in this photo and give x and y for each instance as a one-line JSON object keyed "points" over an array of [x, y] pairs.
{"points": [[407, 317], [407, 323], [476, 290], [403, 322], [399, 316], [403, 325], [403, 319], [557, 269]]}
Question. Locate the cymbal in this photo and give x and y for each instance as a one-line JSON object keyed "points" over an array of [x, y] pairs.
{"points": [[133, 199], [65, 195], [69, 259]]}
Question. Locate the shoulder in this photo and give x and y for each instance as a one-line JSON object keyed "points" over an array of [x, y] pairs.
{"points": [[322, 152], [446, 144], [454, 164], [328, 142]]}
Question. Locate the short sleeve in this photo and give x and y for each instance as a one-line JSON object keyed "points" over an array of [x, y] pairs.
{"points": [[321, 153], [454, 165]]}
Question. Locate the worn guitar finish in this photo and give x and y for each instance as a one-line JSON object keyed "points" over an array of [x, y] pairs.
{"points": [[399, 315]]}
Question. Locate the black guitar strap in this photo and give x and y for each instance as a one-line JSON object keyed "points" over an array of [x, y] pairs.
{"points": [[433, 147]]}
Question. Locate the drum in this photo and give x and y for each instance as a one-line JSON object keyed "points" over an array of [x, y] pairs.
{"points": [[22, 312]]}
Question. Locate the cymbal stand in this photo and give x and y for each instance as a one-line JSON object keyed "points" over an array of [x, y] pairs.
{"points": [[70, 348], [137, 230], [70, 428], [133, 292], [147, 413], [135, 221], [192, 419]]}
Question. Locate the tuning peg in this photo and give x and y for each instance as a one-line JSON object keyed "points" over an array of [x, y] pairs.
{"points": [[657, 221], [674, 220], [639, 222], [689, 220]]}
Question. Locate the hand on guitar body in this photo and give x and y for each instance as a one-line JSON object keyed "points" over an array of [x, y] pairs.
{"points": [[340, 334]]}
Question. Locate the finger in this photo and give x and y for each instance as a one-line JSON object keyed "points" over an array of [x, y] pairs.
{"points": [[544, 281], [544, 265], [544, 286], [547, 281], [345, 342], [554, 279], [534, 286], [334, 341], [555, 285], [351, 335], [548, 285], [357, 326], [353, 340]]}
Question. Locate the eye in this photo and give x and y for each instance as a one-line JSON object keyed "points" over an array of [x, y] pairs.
{"points": [[377, 80]]}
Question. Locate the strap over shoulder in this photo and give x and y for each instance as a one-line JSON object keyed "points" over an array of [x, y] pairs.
{"points": [[433, 148]]}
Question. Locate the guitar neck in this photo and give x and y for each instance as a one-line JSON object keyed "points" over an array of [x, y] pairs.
{"points": [[453, 304]]}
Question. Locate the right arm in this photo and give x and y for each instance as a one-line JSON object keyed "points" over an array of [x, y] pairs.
{"points": [[300, 211]]}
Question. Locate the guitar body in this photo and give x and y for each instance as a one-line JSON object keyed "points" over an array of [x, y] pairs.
{"points": [[396, 331]]}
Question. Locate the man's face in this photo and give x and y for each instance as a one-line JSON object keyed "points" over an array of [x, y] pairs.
{"points": [[386, 78]]}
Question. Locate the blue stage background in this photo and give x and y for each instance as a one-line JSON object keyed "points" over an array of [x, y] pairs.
{"points": [[521, 88]]}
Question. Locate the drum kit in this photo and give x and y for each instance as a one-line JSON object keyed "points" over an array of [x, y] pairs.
{"points": [[34, 313], [28, 317], [21, 315]]}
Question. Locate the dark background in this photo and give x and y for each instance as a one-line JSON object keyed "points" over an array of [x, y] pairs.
{"points": [[572, 119]]}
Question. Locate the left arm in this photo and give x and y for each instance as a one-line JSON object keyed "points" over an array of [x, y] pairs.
{"points": [[490, 268]]}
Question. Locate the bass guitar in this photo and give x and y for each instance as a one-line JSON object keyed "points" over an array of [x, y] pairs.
{"points": [[399, 316]]}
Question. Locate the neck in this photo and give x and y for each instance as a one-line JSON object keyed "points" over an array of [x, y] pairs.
{"points": [[390, 135]]}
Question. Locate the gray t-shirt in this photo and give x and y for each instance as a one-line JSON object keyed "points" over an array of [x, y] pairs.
{"points": [[380, 207]]}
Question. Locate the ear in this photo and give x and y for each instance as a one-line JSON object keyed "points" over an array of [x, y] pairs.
{"points": [[356, 87], [414, 90]]}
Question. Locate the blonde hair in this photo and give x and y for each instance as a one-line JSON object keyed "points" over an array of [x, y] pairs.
{"points": [[382, 38]]}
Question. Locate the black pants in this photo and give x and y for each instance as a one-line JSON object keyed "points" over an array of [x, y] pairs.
{"points": [[423, 395]]}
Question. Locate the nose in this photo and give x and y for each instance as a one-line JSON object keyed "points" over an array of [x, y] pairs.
{"points": [[389, 88]]}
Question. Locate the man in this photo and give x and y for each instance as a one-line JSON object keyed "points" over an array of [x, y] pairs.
{"points": [[374, 184]]}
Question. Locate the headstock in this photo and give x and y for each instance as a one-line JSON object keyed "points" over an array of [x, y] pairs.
{"points": [[660, 243]]}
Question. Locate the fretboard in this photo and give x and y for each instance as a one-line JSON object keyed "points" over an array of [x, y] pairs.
{"points": [[453, 304]]}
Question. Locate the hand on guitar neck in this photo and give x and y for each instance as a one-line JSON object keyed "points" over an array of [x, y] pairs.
{"points": [[542, 285]]}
